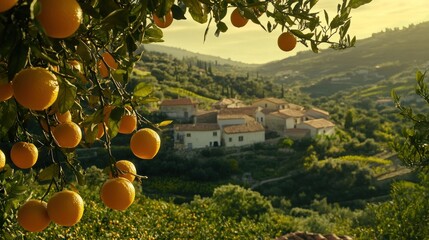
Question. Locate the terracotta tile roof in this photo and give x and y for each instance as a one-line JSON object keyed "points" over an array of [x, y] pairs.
{"points": [[207, 116], [319, 123], [295, 106], [197, 127], [288, 113], [271, 99], [250, 126], [250, 111], [177, 102], [320, 111], [231, 116]]}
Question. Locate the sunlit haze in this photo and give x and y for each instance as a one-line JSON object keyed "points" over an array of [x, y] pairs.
{"points": [[251, 44]]}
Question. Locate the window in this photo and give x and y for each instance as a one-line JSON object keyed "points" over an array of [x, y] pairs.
{"points": [[214, 134], [188, 135], [230, 139], [240, 138], [266, 105]]}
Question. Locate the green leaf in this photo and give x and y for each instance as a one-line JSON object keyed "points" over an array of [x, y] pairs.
{"points": [[49, 172], [197, 12], [7, 119], [66, 95], [18, 59], [165, 123], [358, 3], [221, 26], [419, 75], [178, 12], [142, 90], [314, 47], [117, 18], [84, 52], [114, 118]]}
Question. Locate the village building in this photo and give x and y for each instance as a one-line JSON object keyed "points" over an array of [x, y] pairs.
{"points": [[319, 126], [274, 104], [200, 135], [315, 113], [180, 110], [248, 133], [280, 121], [228, 103]]}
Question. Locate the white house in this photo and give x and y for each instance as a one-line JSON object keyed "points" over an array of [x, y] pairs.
{"points": [[282, 120], [319, 126], [182, 109], [200, 135], [244, 134]]}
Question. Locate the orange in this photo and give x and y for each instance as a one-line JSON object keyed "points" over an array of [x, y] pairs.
{"points": [[237, 19], [128, 122], [127, 168], [286, 41], [7, 4], [67, 135], [145, 143], [60, 19], [33, 215], [35, 88], [65, 208], [24, 154], [64, 117], [2, 160], [117, 193], [111, 63], [6, 91], [163, 22]]}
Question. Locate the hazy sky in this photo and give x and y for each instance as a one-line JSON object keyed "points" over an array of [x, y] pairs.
{"points": [[251, 44]]}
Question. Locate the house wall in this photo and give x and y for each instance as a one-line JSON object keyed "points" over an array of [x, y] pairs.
{"points": [[197, 139], [233, 121], [179, 112], [241, 139], [279, 124], [317, 131], [260, 118]]}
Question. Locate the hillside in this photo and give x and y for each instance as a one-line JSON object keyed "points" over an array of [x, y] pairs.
{"points": [[181, 53], [383, 56]]}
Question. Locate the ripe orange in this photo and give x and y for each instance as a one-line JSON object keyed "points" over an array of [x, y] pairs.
{"points": [[237, 19], [60, 19], [65, 208], [128, 122], [33, 215], [145, 143], [64, 117], [24, 154], [128, 169], [35, 88], [163, 22], [67, 135], [7, 4], [286, 41], [2, 160], [117, 193], [111, 63], [6, 91]]}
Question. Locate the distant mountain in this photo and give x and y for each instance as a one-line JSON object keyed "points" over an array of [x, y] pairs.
{"points": [[384, 55], [181, 53]]}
